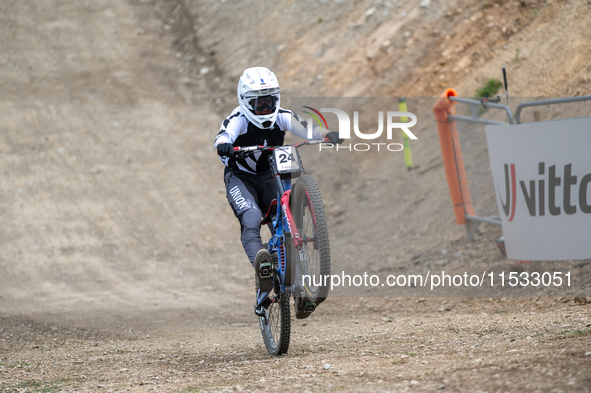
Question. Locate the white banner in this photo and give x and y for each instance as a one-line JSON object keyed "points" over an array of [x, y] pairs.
{"points": [[542, 177]]}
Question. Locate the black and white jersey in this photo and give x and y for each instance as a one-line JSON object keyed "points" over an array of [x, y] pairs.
{"points": [[237, 130]]}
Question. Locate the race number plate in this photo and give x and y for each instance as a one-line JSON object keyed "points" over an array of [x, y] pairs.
{"points": [[287, 160]]}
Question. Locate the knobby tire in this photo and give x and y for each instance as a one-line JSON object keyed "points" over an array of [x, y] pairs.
{"points": [[307, 207], [276, 328]]}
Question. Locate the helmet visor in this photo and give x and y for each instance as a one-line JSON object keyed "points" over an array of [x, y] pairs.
{"points": [[259, 104]]}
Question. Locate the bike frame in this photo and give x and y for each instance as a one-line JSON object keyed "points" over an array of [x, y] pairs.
{"points": [[283, 225]]}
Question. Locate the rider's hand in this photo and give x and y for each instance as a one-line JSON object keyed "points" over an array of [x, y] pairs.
{"points": [[333, 137], [224, 149]]}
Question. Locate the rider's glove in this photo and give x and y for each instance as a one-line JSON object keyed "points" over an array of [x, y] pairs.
{"points": [[224, 149], [333, 137]]}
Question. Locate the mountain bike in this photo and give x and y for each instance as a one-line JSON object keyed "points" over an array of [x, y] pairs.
{"points": [[299, 245]]}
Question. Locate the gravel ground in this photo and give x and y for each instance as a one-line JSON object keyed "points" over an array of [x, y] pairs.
{"points": [[349, 345]]}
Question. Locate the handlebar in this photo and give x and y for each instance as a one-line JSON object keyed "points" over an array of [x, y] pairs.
{"points": [[247, 149]]}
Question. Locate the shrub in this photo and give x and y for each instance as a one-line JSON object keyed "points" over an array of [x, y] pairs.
{"points": [[489, 89]]}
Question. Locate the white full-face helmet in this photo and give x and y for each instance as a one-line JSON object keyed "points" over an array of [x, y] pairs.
{"points": [[258, 92]]}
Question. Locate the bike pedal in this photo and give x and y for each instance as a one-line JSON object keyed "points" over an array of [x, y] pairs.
{"points": [[304, 309], [265, 269]]}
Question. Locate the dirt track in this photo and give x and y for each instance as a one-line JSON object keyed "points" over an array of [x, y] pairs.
{"points": [[121, 265]]}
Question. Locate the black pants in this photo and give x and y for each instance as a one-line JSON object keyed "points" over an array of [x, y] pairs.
{"points": [[250, 197]]}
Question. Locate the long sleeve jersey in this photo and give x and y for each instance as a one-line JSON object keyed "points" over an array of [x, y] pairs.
{"points": [[237, 130]]}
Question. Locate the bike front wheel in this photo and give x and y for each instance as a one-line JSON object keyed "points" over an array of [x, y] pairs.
{"points": [[314, 256]]}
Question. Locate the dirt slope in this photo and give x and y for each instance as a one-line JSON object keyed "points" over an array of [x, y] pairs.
{"points": [[103, 150], [121, 264], [395, 48]]}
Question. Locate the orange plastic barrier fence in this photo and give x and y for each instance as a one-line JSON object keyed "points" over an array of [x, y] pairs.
{"points": [[451, 153]]}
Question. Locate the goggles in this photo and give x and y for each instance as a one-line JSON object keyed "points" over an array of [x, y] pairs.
{"points": [[264, 102]]}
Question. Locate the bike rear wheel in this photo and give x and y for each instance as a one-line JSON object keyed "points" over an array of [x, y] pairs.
{"points": [[314, 256], [276, 325]]}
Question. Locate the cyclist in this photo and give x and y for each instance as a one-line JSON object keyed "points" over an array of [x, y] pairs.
{"points": [[250, 187]]}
